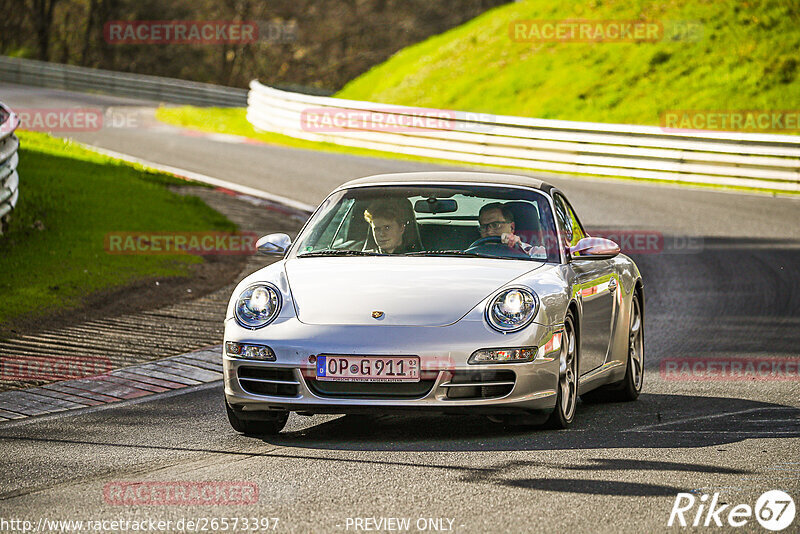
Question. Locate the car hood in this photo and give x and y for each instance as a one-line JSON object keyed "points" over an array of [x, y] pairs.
{"points": [[418, 291]]}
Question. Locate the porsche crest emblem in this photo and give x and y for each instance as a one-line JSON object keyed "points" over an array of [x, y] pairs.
{"points": [[377, 314]]}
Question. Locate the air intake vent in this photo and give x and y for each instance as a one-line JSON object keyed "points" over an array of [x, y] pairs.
{"points": [[273, 382], [365, 390], [480, 384]]}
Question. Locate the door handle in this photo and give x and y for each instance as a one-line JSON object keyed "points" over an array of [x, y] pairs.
{"points": [[612, 285]]}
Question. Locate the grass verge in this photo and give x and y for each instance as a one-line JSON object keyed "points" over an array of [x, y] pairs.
{"points": [[53, 255]]}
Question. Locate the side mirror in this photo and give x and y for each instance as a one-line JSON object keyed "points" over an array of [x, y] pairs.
{"points": [[594, 248], [273, 244]]}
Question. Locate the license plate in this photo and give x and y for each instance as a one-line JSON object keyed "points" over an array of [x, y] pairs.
{"points": [[368, 368]]}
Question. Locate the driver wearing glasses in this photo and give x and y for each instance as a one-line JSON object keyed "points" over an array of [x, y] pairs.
{"points": [[496, 220]]}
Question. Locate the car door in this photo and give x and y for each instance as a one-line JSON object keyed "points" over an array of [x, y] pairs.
{"points": [[595, 283]]}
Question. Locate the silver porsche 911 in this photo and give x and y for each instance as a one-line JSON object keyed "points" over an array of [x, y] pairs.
{"points": [[445, 292]]}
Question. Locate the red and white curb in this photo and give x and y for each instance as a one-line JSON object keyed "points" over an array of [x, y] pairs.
{"points": [[160, 376]]}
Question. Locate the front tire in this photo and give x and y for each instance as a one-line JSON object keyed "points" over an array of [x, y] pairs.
{"points": [[567, 396], [267, 424]]}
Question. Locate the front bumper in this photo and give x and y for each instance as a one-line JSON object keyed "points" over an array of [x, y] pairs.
{"points": [[448, 383]]}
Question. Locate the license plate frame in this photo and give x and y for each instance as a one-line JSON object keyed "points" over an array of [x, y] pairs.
{"points": [[345, 372]]}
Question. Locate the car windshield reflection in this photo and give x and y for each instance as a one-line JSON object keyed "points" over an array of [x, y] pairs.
{"points": [[433, 220]]}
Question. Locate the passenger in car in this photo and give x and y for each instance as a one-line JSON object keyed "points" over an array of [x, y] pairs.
{"points": [[496, 220], [394, 226]]}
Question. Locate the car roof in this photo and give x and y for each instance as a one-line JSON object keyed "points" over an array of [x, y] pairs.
{"points": [[447, 177]]}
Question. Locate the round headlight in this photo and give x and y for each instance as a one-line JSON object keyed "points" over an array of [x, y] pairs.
{"points": [[257, 306], [512, 310]]}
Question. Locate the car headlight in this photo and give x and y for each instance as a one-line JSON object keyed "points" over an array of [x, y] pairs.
{"points": [[257, 306], [249, 351], [512, 310]]}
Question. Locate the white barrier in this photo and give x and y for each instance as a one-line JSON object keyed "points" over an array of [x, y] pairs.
{"points": [[761, 161], [9, 179]]}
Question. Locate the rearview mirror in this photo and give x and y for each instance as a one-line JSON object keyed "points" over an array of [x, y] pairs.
{"points": [[436, 205], [273, 244], [594, 248]]}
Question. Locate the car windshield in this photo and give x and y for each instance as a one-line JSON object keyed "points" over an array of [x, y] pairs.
{"points": [[433, 220]]}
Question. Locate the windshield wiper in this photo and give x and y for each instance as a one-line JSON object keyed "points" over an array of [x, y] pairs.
{"points": [[452, 252], [334, 252]]}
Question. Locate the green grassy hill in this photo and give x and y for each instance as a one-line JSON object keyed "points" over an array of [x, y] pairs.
{"points": [[54, 254], [746, 56]]}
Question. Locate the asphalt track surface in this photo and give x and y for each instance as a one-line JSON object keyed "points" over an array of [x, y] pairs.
{"points": [[734, 292]]}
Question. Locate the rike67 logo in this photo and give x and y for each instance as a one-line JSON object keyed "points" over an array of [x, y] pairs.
{"points": [[774, 510]]}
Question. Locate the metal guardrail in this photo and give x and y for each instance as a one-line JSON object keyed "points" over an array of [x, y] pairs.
{"points": [[70, 77], [9, 179], [761, 161]]}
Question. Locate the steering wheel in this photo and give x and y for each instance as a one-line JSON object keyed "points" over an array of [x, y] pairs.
{"points": [[493, 245], [488, 240]]}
